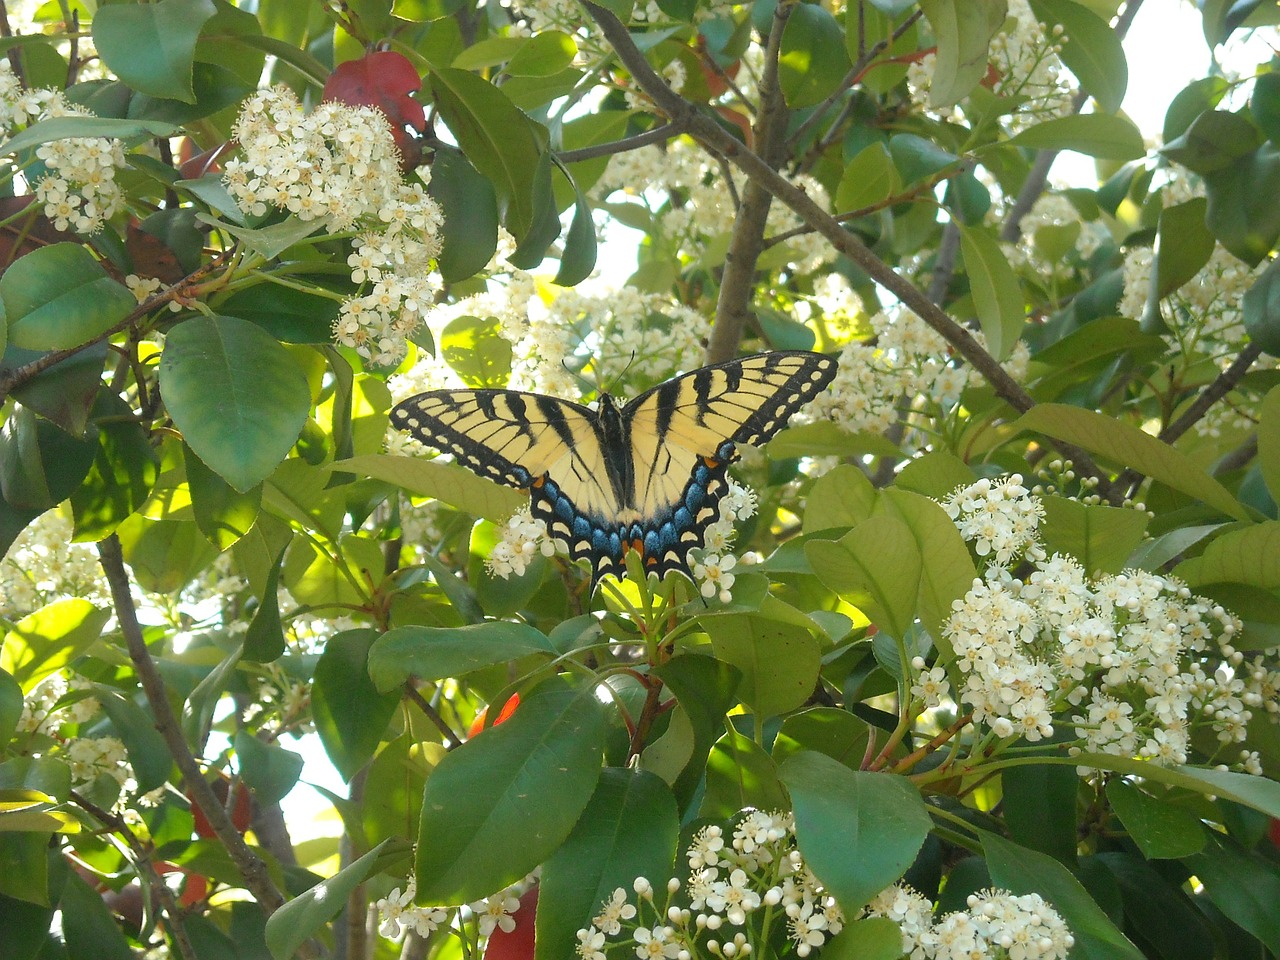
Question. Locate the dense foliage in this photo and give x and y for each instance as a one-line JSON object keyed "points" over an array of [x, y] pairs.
{"points": [[980, 658]]}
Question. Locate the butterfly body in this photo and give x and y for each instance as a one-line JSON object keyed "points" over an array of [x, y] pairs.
{"points": [[646, 476]]}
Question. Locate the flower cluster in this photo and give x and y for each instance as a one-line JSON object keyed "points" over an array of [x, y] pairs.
{"points": [[78, 189], [1055, 239], [1145, 661], [522, 538], [46, 708], [43, 565], [910, 364], [705, 206], [340, 163], [399, 914], [718, 910], [996, 926]]}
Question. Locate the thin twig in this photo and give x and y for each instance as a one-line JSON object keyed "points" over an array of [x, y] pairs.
{"points": [[656, 135], [432, 714], [250, 866], [143, 852]]}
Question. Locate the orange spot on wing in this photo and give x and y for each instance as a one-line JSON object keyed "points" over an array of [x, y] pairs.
{"points": [[537, 484], [711, 462]]}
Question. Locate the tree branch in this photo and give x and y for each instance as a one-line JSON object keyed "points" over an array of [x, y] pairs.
{"points": [[737, 285], [658, 134], [251, 867], [708, 132]]}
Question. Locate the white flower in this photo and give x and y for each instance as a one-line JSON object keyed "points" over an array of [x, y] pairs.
{"points": [[613, 911], [715, 576]]}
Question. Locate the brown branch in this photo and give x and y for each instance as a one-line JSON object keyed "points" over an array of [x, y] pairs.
{"points": [[733, 305], [250, 866], [759, 171], [658, 134], [432, 714], [143, 853]]}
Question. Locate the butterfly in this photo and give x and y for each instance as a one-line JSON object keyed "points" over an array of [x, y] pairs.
{"points": [[647, 476]]}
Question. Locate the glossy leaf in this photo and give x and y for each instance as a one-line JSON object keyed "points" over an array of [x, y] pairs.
{"points": [[236, 394], [291, 925], [59, 297], [264, 640], [1245, 555], [148, 753], [39, 463], [290, 315], [222, 513], [62, 128], [871, 938], [434, 653], [812, 61], [49, 639], [1126, 444], [477, 351], [629, 829], [1100, 537], [1090, 49], [1157, 910], [1246, 228], [963, 30], [65, 392], [10, 706], [1214, 141], [393, 788], [447, 482], [88, 926], [779, 661], [1021, 870], [578, 258], [869, 178], [827, 730], [858, 831], [164, 555], [268, 768], [997, 296], [740, 774], [124, 472], [1261, 308], [151, 47], [1161, 829], [1101, 135], [704, 688], [840, 499], [486, 821], [350, 714], [545, 53], [1183, 245], [877, 567], [1243, 885]]}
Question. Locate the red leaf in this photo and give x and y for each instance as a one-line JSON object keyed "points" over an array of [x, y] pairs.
{"points": [[507, 710], [384, 79]]}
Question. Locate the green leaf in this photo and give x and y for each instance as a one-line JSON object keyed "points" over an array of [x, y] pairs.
{"points": [[1125, 444], [447, 482], [88, 926], [1269, 439], [10, 706], [477, 351], [1101, 135], [704, 687], [1090, 49], [39, 463], [871, 938], [542, 55], [264, 640], [578, 258], [1214, 141], [351, 715], [1191, 101], [164, 555], [222, 513], [831, 731], [486, 816], [1264, 105], [1100, 537], [1038, 801], [434, 653], [1246, 555], [877, 567], [237, 395], [290, 315], [496, 137], [151, 47], [393, 789], [49, 639], [65, 392], [268, 768], [1183, 245], [1245, 227], [963, 30], [1021, 871], [469, 203], [629, 829], [1243, 885], [271, 241], [858, 831], [739, 775], [125, 469], [997, 295], [1261, 308], [1161, 829], [63, 128], [1154, 554], [917, 157], [869, 179], [136, 727], [812, 60], [1156, 910], [303, 916], [779, 661], [58, 297]]}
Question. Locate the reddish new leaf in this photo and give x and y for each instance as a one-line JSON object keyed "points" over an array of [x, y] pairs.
{"points": [[384, 79], [518, 944]]}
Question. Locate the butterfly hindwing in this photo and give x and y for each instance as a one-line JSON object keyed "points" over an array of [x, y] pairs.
{"points": [[648, 476]]}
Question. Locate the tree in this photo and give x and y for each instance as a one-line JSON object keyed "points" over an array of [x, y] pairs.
{"points": [[979, 658]]}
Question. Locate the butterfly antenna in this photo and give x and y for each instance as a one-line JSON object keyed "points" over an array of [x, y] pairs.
{"points": [[608, 388]]}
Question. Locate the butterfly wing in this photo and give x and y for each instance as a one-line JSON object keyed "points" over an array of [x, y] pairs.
{"points": [[685, 433], [552, 448]]}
